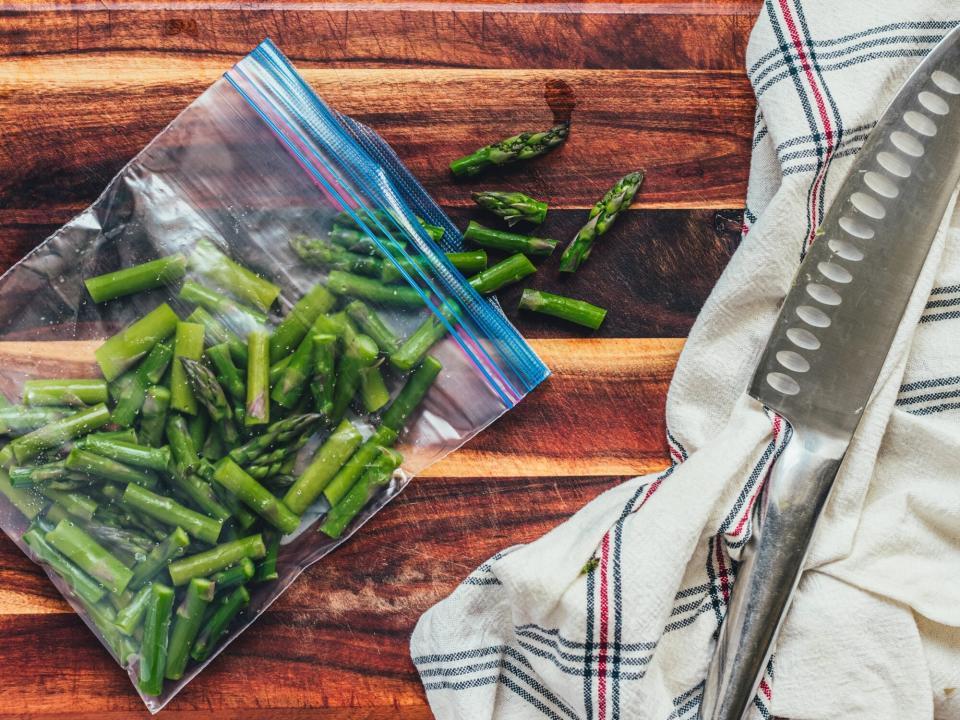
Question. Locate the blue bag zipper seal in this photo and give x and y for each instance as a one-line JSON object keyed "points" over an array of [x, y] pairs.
{"points": [[474, 350], [377, 171], [415, 194], [323, 126]]}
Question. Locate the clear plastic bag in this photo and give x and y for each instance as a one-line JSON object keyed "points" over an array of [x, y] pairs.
{"points": [[261, 171]]}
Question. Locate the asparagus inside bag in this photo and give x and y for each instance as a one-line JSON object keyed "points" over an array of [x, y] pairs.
{"points": [[247, 346]]}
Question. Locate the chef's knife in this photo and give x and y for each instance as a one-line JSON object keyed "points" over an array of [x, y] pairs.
{"points": [[827, 348]]}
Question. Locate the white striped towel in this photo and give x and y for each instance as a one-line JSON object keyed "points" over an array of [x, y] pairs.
{"points": [[613, 614]]}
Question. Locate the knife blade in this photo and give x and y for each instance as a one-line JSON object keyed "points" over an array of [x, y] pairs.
{"points": [[827, 348]]}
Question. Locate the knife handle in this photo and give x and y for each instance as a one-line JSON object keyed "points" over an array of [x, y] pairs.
{"points": [[770, 569]]}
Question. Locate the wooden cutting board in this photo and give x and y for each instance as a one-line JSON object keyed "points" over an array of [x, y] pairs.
{"points": [[653, 85]]}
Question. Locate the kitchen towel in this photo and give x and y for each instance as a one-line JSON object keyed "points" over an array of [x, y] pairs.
{"points": [[614, 613]]}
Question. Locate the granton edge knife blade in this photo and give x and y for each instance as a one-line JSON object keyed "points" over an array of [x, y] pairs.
{"points": [[827, 348]]}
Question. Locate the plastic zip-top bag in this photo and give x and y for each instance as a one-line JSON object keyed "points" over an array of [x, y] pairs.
{"points": [[250, 343]]}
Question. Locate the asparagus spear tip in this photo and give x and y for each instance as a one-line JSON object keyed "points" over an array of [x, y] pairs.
{"points": [[602, 217]]}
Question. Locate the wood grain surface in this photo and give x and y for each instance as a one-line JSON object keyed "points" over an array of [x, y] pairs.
{"points": [[657, 85]]}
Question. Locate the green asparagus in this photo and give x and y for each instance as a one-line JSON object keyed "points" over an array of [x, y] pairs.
{"points": [[172, 513], [233, 576], [239, 317], [360, 353], [170, 548], [208, 260], [198, 425], [267, 569], [418, 344], [508, 241], [82, 585], [354, 467], [320, 253], [24, 501], [276, 370], [377, 475], [525, 146], [257, 411], [218, 558], [102, 616], [27, 447], [90, 556], [132, 386], [207, 390], [298, 321], [242, 517], [18, 420], [114, 509], [64, 392], [288, 389], [228, 375], [324, 376], [156, 630], [602, 216], [181, 444], [513, 269], [187, 621], [133, 343], [130, 544], [216, 333], [412, 394], [576, 311], [232, 477], [275, 463], [147, 276], [200, 492], [153, 421], [326, 463], [337, 324], [374, 218], [131, 615], [468, 262], [373, 325], [76, 504], [373, 389], [281, 433], [217, 625], [364, 288], [213, 448], [357, 241], [188, 344], [99, 466], [127, 435], [155, 458], [513, 207]]}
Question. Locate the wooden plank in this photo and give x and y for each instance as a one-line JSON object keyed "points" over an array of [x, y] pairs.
{"points": [[653, 271], [690, 130], [336, 640], [553, 432], [667, 7], [550, 434], [465, 35], [643, 270]]}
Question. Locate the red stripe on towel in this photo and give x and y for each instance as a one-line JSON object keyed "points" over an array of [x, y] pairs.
{"points": [[604, 627]]}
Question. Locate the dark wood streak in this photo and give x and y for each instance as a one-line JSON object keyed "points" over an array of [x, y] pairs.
{"points": [[646, 258], [664, 261]]}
